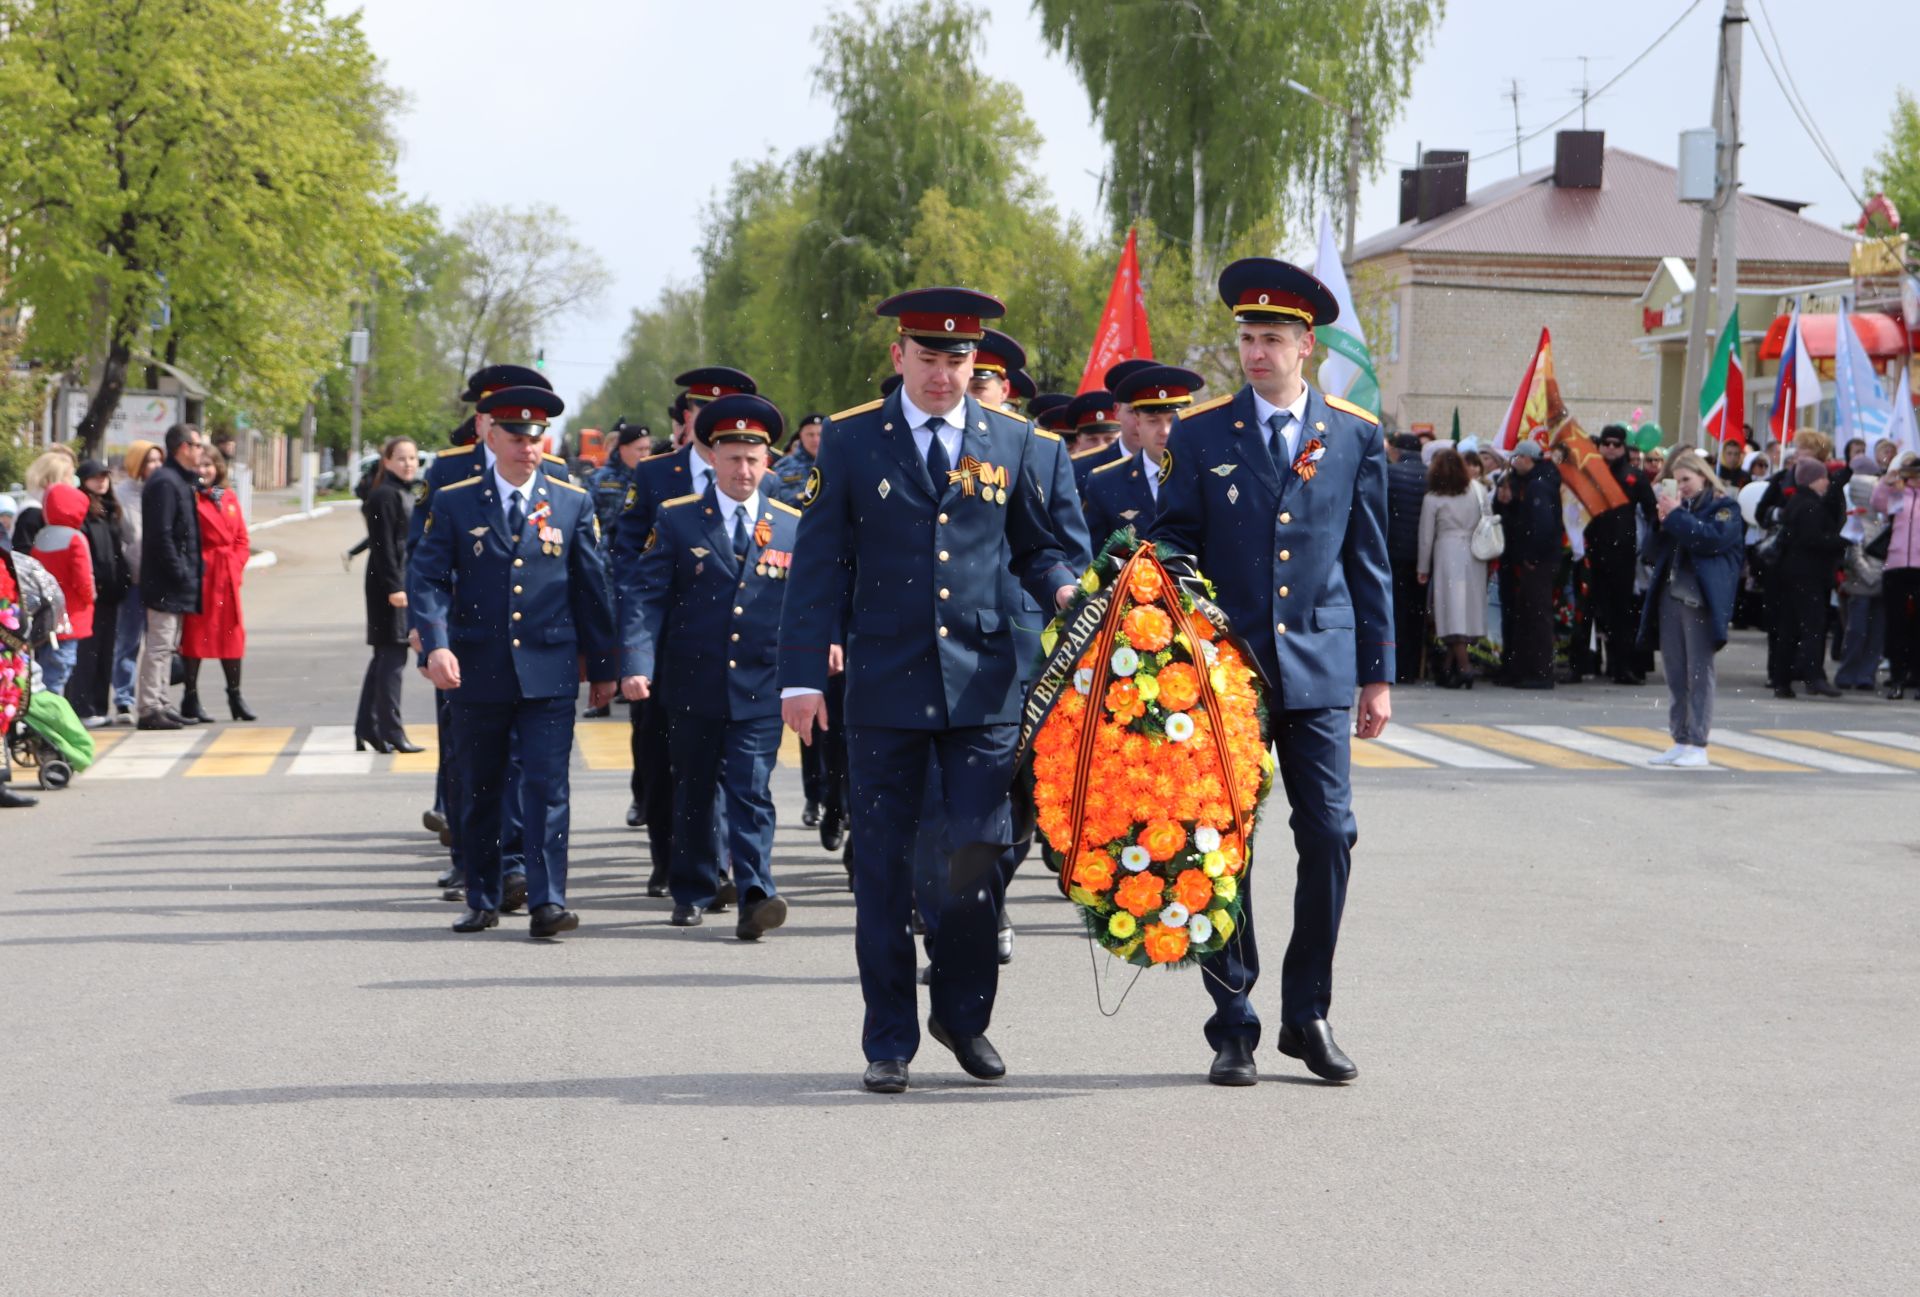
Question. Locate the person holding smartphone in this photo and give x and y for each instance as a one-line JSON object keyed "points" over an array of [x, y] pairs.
{"points": [[1696, 555]]}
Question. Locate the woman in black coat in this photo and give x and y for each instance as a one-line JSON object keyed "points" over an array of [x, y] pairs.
{"points": [[90, 687], [388, 503], [1810, 549]]}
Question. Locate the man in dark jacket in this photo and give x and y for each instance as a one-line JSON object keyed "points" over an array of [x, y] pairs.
{"points": [[1613, 544], [169, 570], [1406, 489], [1528, 502]]}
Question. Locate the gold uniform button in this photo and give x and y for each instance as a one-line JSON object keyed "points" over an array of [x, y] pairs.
{"points": [[1283, 592], [946, 594], [1281, 628], [943, 518], [1285, 555], [519, 562], [943, 632], [943, 556], [1286, 517], [739, 611], [736, 637], [731, 664], [516, 589], [516, 643], [516, 616]]}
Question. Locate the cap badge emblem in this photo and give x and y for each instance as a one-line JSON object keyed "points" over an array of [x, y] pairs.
{"points": [[740, 424], [1163, 393], [1263, 299], [526, 414], [949, 326]]}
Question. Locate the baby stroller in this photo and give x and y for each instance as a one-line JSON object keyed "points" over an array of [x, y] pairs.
{"points": [[45, 735]]}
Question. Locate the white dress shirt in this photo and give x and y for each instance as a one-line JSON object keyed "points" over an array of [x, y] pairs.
{"points": [[1264, 410], [699, 473], [1150, 469], [506, 490], [728, 508], [951, 425]]}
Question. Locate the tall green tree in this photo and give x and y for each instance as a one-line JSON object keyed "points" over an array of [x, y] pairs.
{"points": [[661, 341], [1896, 167], [514, 273], [204, 181], [1205, 136]]}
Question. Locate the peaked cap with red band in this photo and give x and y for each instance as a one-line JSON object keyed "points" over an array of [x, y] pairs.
{"points": [[942, 319], [998, 355], [1159, 387], [1093, 411], [711, 382], [518, 408], [497, 378], [1261, 291], [741, 417]]}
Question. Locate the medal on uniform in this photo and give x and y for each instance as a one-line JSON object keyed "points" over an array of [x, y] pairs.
{"points": [[885, 487], [1233, 494], [763, 532]]}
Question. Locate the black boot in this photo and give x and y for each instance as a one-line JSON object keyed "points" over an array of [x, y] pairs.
{"points": [[190, 709], [238, 706]]}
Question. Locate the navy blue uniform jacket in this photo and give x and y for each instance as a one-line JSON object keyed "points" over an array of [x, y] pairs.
{"points": [[520, 620], [652, 483], [459, 464], [719, 621], [1118, 496], [930, 645], [1300, 566]]}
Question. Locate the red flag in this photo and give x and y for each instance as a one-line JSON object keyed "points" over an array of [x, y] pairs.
{"points": [[1536, 402], [1123, 325]]}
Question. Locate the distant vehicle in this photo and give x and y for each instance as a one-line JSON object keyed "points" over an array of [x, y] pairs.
{"points": [[592, 449]]}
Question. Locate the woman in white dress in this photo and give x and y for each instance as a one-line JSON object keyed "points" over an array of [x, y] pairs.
{"points": [[1456, 581]]}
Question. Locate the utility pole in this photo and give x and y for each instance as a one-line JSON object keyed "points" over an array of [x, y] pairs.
{"points": [[1513, 95], [357, 357], [1353, 177], [1716, 220]]}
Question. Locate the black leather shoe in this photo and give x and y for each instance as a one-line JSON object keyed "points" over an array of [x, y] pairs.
{"points": [[453, 893], [657, 883], [634, 817], [1233, 1063], [886, 1076], [757, 918], [975, 1054], [1821, 689], [1892, 693], [406, 745], [514, 893], [833, 828], [477, 921], [685, 916], [191, 711], [1313, 1045], [551, 920], [433, 821], [449, 877], [724, 900], [601, 712], [1785, 691], [1003, 940], [238, 707], [156, 721], [810, 816], [12, 801]]}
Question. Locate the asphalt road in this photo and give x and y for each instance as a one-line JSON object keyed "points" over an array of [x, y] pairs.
{"points": [[1620, 1032]]}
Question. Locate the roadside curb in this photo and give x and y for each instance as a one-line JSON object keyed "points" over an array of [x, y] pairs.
{"points": [[319, 512], [263, 558]]}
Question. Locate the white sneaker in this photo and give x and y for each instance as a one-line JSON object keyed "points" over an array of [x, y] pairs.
{"points": [[1668, 757], [1691, 759]]}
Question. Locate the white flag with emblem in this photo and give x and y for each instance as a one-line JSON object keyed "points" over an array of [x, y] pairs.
{"points": [[1348, 369]]}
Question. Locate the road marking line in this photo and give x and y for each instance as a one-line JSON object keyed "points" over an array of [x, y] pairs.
{"points": [[1717, 753], [1370, 755], [1851, 746], [1524, 749], [1794, 752], [790, 749], [249, 751], [424, 762], [1625, 745], [328, 750], [1891, 738], [146, 754], [606, 746], [1431, 747]]}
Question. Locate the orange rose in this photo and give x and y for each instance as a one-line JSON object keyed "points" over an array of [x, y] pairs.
{"points": [[1163, 839], [1148, 629], [1193, 889], [1179, 686], [1094, 871], [1202, 627], [1164, 945], [1123, 700], [1145, 585], [1140, 894]]}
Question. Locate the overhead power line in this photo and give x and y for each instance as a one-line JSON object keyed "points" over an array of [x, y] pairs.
{"points": [[1790, 91]]}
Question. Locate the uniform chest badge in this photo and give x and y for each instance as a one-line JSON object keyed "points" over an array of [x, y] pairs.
{"points": [[976, 474], [699, 551], [1308, 461], [1128, 515], [1233, 495], [541, 512], [550, 540], [478, 531], [1221, 470], [774, 563], [763, 532], [885, 488]]}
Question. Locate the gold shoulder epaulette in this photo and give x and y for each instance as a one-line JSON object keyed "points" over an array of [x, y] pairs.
{"points": [[1050, 436], [456, 450], [465, 481], [1358, 411], [679, 500], [552, 459], [571, 486], [1118, 463], [1204, 406], [784, 507], [1011, 414], [1082, 454], [859, 409]]}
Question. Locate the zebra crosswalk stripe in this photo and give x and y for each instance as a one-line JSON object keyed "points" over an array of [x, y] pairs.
{"points": [[146, 754], [328, 750], [1525, 749], [1849, 745], [1803, 755], [1622, 747], [1446, 752]]}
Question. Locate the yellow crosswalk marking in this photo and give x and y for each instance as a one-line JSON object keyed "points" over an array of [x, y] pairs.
{"points": [[1376, 756], [789, 749], [606, 746], [242, 751], [424, 762], [1719, 754], [1523, 749], [1847, 747]]}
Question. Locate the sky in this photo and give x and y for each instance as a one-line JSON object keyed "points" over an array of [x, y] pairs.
{"points": [[628, 116]]}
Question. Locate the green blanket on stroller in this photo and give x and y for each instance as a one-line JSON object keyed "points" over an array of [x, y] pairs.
{"points": [[52, 718]]}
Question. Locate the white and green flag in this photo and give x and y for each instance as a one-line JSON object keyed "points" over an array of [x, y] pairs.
{"points": [[1348, 369]]}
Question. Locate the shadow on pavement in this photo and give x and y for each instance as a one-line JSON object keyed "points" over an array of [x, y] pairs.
{"points": [[698, 981]]}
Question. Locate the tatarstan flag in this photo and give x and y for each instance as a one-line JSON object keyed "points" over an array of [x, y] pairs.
{"points": [[1723, 396]]}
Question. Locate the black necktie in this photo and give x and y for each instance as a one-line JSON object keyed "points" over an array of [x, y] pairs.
{"points": [[516, 517], [740, 533], [1280, 423], [937, 464]]}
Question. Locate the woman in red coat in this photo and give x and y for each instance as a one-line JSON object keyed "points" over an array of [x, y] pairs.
{"points": [[217, 630]]}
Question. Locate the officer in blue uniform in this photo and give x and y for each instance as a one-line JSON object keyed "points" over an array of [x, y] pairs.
{"points": [[470, 458], [1095, 417], [1126, 492], [1279, 494], [913, 499], [1043, 405], [508, 593], [1020, 390], [630, 444], [709, 587], [687, 471], [788, 479]]}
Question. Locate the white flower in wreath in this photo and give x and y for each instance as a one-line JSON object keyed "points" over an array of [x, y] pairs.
{"points": [[1206, 838], [1179, 727], [1135, 858], [1175, 915], [1200, 929], [1125, 662], [1209, 651], [1083, 680]]}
